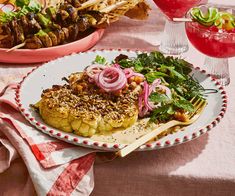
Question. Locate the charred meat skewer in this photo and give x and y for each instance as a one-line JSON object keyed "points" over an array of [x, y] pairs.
{"points": [[58, 36], [53, 28], [31, 24]]}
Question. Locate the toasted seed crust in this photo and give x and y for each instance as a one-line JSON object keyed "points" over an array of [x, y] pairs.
{"points": [[81, 107]]}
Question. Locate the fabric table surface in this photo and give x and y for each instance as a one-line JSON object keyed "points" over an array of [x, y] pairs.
{"points": [[204, 166]]}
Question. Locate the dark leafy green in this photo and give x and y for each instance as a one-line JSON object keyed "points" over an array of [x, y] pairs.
{"points": [[162, 114], [158, 98], [184, 104], [151, 76], [174, 73], [21, 3], [156, 61]]}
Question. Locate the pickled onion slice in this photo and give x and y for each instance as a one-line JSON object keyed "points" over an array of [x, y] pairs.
{"points": [[143, 103], [111, 79], [116, 65], [129, 73], [94, 69], [157, 84]]}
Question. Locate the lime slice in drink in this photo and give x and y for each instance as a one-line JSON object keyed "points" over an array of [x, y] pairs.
{"points": [[225, 21]]}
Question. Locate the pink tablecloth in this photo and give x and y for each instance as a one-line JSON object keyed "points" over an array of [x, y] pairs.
{"points": [[201, 167]]}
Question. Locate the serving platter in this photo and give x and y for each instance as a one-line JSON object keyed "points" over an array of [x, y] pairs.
{"points": [[21, 56], [43, 77]]}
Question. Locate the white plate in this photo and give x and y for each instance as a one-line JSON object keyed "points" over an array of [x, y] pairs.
{"points": [[45, 76]]}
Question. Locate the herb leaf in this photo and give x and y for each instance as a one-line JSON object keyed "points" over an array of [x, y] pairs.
{"points": [[151, 76], [138, 66], [162, 114], [185, 105], [27, 6], [175, 74], [99, 59], [158, 98]]}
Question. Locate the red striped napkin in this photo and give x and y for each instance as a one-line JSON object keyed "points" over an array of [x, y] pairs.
{"points": [[55, 167]]}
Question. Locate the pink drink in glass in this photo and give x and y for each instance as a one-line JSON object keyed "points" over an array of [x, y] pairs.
{"points": [[211, 41], [175, 8], [174, 40], [217, 44]]}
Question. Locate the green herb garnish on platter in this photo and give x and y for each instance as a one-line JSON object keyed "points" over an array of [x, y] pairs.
{"points": [[172, 71], [100, 60], [174, 76], [24, 8]]}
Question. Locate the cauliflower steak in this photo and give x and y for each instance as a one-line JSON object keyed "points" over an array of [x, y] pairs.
{"points": [[83, 108]]}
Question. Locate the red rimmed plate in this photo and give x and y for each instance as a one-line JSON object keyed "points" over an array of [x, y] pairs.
{"points": [[45, 76], [47, 54]]}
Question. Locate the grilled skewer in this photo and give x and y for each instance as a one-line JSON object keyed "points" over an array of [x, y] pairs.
{"points": [[31, 23], [56, 37], [27, 26], [55, 27]]}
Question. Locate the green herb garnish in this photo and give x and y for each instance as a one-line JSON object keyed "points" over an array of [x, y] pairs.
{"points": [[99, 59], [158, 98], [26, 7], [184, 104], [175, 74]]}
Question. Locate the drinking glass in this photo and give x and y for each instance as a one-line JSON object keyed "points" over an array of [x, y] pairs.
{"points": [[217, 44], [174, 40]]}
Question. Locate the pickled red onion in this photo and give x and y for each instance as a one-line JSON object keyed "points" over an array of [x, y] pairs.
{"points": [[7, 7], [142, 109], [138, 74], [168, 91], [146, 96], [111, 79], [129, 73], [116, 65], [94, 69], [143, 102], [157, 83]]}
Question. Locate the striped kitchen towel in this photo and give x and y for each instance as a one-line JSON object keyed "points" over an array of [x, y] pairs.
{"points": [[55, 167]]}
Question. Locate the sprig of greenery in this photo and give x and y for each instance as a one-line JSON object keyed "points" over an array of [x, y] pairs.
{"points": [[162, 114], [175, 73], [26, 7], [99, 59]]}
